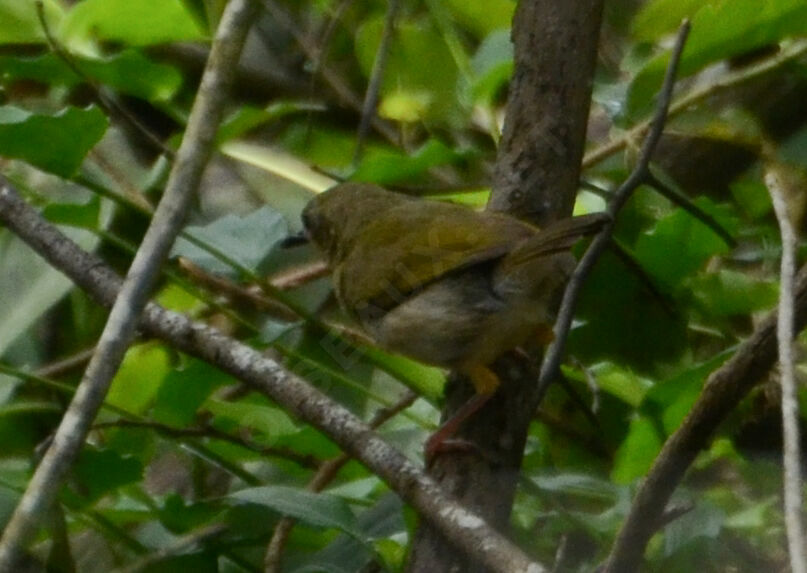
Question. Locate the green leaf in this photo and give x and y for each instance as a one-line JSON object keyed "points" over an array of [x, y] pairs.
{"points": [[753, 197], [317, 509], [731, 293], [659, 17], [140, 23], [198, 562], [720, 30], [753, 517], [705, 520], [271, 423], [129, 72], [55, 143], [678, 246], [179, 516], [174, 297], [272, 330], [30, 286], [392, 553], [415, 42], [482, 18], [382, 521], [388, 166], [246, 240], [246, 118], [101, 471], [143, 370], [673, 398], [19, 23], [637, 452], [622, 322], [427, 381], [621, 383], [74, 214], [184, 390], [492, 66]]}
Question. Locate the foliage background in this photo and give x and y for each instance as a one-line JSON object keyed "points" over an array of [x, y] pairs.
{"points": [[186, 469]]}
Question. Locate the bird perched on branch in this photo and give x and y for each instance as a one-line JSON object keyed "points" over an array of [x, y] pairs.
{"points": [[442, 283]]}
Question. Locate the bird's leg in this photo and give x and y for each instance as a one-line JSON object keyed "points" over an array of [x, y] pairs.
{"points": [[485, 383]]}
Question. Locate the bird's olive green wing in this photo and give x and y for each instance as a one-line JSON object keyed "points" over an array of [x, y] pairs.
{"points": [[411, 247], [557, 237]]}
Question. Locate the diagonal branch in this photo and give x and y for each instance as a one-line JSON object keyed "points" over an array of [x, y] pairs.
{"points": [[463, 528], [121, 324], [722, 392], [639, 175], [371, 96]]}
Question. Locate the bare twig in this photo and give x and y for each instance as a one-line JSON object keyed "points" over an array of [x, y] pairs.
{"points": [[209, 432], [197, 449], [337, 84], [300, 275], [777, 183], [368, 108], [638, 176], [236, 292], [325, 40], [687, 205], [326, 473], [65, 365], [462, 527], [120, 327]]}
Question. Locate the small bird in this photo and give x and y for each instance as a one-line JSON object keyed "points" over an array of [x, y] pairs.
{"points": [[442, 283]]}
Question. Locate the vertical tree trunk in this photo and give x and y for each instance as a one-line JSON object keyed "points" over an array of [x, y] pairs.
{"points": [[536, 178]]}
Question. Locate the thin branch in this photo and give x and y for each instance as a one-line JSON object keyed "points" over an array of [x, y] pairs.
{"points": [[324, 39], [110, 104], [639, 175], [198, 450], [281, 308], [462, 527], [209, 432], [235, 291], [687, 205], [337, 84], [368, 108], [677, 197], [114, 172], [298, 276], [795, 50], [325, 475], [120, 328], [66, 365], [781, 196]]}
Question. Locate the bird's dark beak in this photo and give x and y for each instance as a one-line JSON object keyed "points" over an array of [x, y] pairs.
{"points": [[295, 240]]}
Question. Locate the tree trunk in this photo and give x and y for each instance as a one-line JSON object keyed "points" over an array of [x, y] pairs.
{"points": [[536, 178]]}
